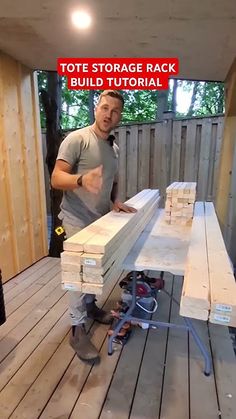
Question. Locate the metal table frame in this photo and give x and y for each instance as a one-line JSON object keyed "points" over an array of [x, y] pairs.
{"points": [[188, 327]]}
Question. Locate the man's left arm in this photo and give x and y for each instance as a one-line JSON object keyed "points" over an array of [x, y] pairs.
{"points": [[117, 204]]}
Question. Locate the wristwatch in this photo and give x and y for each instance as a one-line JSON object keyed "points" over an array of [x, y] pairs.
{"points": [[80, 180]]}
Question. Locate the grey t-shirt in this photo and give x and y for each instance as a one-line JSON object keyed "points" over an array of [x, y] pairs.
{"points": [[84, 151]]}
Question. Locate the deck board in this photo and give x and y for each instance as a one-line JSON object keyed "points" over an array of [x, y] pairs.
{"points": [[158, 374]]}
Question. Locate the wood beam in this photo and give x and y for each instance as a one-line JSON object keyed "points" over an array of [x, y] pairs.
{"points": [[224, 188]]}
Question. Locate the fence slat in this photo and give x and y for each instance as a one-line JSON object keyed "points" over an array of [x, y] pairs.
{"points": [[190, 151], [175, 152], [202, 181], [144, 157], [132, 162]]}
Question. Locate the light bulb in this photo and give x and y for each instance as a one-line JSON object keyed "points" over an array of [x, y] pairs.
{"points": [[82, 20]]}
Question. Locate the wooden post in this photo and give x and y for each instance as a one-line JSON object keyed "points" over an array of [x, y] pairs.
{"points": [[226, 192]]}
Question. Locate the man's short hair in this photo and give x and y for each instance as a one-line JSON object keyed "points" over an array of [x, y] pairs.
{"points": [[113, 93]]}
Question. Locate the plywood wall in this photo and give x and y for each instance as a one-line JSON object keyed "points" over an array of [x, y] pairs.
{"points": [[23, 237]]}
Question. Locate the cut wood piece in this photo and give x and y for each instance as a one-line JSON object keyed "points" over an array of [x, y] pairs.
{"points": [[76, 242], [178, 197], [222, 281], [195, 297]]}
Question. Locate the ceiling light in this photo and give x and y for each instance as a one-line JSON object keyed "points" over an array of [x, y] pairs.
{"points": [[82, 20]]}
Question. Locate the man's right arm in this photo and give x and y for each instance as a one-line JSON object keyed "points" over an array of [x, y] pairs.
{"points": [[63, 179]]}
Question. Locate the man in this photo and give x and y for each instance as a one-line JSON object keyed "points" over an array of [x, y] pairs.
{"points": [[85, 170]]}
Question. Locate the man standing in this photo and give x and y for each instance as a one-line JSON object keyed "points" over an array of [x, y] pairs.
{"points": [[86, 170]]}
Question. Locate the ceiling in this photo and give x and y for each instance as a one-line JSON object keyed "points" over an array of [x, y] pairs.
{"points": [[202, 34]]}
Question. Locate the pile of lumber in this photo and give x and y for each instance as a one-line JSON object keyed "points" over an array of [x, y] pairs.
{"points": [[209, 290], [94, 255], [179, 205]]}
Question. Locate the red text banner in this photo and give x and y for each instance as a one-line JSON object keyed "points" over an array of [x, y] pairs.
{"points": [[118, 73]]}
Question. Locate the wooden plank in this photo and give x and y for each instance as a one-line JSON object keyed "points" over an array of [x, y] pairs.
{"points": [[132, 162], [210, 179], [225, 369], [152, 180], [195, 299], [38, 388], [165, 249], [204, 160], [120, 394], [18, 279], [41, 229], [34, 288], [122, 249], [76, 280], [71, 385], [122, 163], [175, 153], [24, 310], [22, 281], [225, 171], [151, 371], [144, 158], [97, 261], [10, 365], [32, 157], [157, 156], [77, 241], [19, 384], [182, 152], [13, 338], [190, 151], [175, 402], [119, 223], [219, 135], [199, 384], [222, 281], [8, 245]]}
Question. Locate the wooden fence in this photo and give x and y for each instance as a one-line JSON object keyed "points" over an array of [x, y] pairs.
{"points": [[154, 155]]}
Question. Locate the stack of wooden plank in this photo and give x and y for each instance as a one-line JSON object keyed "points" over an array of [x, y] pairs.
{"points": [[94, 255], [209, 290], [179, 205]]}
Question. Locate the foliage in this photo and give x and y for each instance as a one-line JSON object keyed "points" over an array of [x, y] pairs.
{"points": [[206, 98]]}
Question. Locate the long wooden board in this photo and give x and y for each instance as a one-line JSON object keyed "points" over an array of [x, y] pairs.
{"points": [[222, 281], [195, 300], [77, 241]]}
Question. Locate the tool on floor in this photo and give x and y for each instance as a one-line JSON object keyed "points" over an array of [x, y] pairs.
{"points": [[146, 303]]}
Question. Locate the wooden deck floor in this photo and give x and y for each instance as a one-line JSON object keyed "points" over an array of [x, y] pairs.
{"points": [[158, 374]]}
